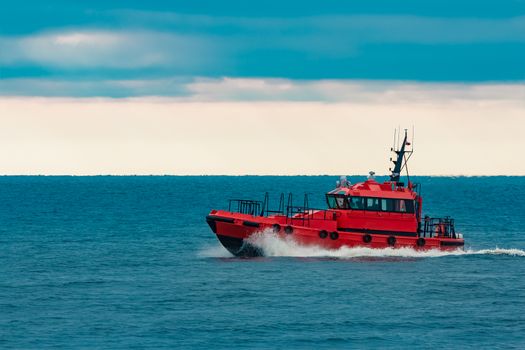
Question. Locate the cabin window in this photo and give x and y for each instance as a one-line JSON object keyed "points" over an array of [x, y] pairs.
{"points": [[331, 202], [406, 206], [382, 204], [372, 204], [400, 205], [387, 204], [341, 202], [356, 203], [337, 201]]}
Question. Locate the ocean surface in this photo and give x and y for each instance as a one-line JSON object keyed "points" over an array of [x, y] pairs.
{"points": [[130, 263]]}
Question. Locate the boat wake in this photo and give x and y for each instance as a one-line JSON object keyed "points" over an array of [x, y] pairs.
{"points": [[272, 245]]}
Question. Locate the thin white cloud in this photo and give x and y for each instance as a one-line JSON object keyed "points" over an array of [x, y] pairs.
{"points": [[73, 49], [151, 39], [246, 89], [89, 88], [235, 89]]}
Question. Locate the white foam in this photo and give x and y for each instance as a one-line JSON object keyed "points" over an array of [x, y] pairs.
{"points": [[273, 245], [498, 251]]}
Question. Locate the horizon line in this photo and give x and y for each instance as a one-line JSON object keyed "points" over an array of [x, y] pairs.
{"points": [[250, 175]]}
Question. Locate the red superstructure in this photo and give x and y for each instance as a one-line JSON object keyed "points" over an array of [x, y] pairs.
{"points": [[369, 214]]}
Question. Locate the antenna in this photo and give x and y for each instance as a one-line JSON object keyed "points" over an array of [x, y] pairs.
{"points": [[398, 136], [406, 166], [394, 144], [413, 135], [403, 155]]}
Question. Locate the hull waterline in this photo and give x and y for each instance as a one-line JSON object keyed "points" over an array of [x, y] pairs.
{"points": [[233, 233]]}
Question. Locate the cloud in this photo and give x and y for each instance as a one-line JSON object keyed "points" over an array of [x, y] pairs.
{"points": [[90, 49], [356, 91], [260, 89], [153, 39], [175, 86], [333, 36], [135, 45]]}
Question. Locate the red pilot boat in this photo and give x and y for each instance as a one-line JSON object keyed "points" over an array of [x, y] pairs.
{"points": [[368, 214]]}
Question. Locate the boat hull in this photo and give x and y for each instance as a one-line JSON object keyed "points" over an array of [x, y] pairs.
{"points": [[234, 230], [239, 246]]}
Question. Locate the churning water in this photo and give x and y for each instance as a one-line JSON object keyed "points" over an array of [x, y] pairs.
{"points": [[271, 245], [129, 262]]}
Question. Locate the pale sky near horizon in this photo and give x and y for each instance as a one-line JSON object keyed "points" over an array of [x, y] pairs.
{"points": [[273, 87], [458, 132]]}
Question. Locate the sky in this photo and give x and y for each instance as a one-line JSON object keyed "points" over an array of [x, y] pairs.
{"points": [[273, 87]]}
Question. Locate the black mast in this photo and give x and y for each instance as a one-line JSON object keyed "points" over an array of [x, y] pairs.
{"points": [[398, 163]]}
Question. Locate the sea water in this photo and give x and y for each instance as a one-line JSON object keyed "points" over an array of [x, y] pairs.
{"points": [[129, 262]]}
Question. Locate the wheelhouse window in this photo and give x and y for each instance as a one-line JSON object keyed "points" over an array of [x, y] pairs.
{"points": [[387, 204], [336, 201], [330, 199], [397, 205], [372, 204], [339, 201], [356, 203], [404, 206]]}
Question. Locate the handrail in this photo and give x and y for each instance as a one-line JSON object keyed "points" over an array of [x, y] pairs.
{"points": [[438, 227], [292, 213], [246, 206], [307, 214]]}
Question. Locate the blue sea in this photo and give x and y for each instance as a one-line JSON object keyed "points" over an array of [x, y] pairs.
{"points": [[130, 263]]}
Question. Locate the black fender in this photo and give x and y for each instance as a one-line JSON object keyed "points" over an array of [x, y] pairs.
{"points": [[391, 240]]}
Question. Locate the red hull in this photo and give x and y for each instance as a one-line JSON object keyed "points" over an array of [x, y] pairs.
{"points": [[232, 229]]}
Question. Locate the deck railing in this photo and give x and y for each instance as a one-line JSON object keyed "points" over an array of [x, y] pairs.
{"points": [[245, 206], [438, 227], [294, 214]]}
